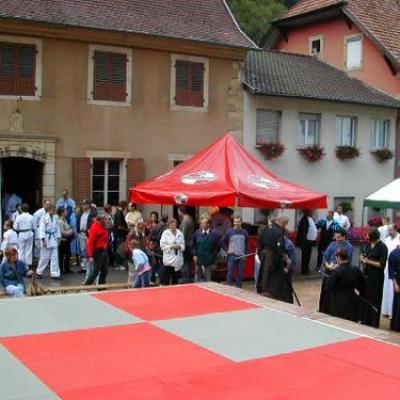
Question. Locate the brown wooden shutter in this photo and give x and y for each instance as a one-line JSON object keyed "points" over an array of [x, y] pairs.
{"points": [[118, 77], [189, 90], [135, 172], [82, 175], [27, 70], [110, 71], [17, 69]]}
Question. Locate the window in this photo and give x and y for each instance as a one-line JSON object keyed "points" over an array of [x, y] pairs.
{"points": [[109, 75], [354, 52], [20, 67], [346, 131], [309, 126], [106, 181], [380, 134], [316, 46], [348, 205], [267, 126], [189, 81]]}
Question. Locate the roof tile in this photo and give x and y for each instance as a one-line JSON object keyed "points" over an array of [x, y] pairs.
{"points": [[277, 73], [380, 17], [199, 20]]}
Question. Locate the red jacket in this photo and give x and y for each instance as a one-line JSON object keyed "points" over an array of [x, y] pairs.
{"points": [[98, 238]]}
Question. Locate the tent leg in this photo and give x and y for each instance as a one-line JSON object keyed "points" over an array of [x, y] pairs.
{"points": [[362, 216]]}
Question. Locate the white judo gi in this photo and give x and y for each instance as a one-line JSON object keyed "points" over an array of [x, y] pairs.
{"points": [[388, 290], [24, 226], [37, 216], [10, 239], [49, 235]]}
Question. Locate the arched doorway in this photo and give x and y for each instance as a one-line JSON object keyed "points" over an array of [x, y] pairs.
{"points": [[23, 176]]}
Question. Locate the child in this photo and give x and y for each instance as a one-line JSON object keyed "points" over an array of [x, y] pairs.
{"points": [[141, 263], [10, 238]]}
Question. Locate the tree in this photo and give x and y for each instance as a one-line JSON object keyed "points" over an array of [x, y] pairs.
{"points": [[255, 16]]}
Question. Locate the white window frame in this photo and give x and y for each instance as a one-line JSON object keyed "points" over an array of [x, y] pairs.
{"points": [[374, 133], [321, 40], [318, 133], [38, 66], [339, 135], [122, 172], [90, 85], [351, 38], [203, 60]]}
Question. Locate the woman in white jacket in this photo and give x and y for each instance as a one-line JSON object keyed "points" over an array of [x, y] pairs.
{"points": [[172, 244]]}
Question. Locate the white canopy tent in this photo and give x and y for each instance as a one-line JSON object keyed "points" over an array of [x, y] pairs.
{"points": [[386, 197]]}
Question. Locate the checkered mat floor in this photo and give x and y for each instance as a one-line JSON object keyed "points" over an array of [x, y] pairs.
{"points": [[183, 342]]}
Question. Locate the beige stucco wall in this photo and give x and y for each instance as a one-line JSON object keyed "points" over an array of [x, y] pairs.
{"points": [[354, 178], [148, 128]]}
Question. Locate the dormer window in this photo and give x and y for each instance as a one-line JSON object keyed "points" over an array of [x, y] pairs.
{"points": [[316, 46]]}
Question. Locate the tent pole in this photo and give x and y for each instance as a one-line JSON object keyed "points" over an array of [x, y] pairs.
{"points": [[362, 216]]}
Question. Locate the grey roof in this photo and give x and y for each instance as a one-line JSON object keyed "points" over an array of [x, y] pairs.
{"points": [[209, 21], [284, 74]]}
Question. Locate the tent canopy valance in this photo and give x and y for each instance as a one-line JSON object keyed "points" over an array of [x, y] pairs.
{"points": [[225, 174], [386, 197]]}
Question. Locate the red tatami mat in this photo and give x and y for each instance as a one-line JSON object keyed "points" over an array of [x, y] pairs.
{"points": [[172, 302], [366, 353], [95, 358], [305, 375]]}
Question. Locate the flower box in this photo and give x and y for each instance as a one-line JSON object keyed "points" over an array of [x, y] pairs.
{"points": [[271, 151], [382, 155], [312, 153], [347, 152]]}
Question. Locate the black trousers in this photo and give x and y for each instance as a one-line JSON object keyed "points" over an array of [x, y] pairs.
{"points": [[64, 256], [100, 265], [306, 252], [169, 276]]}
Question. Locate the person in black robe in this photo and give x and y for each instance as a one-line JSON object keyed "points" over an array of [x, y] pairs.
{"points": [[271, 281], [374, 262], [342, 283], [394, 274]]}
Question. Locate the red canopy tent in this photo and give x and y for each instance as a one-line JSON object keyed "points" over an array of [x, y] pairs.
{"points": [[224, 174]]}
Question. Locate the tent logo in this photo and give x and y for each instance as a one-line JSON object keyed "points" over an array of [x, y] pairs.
{"points": [[262, 182], [199, 178], [181, 199]]}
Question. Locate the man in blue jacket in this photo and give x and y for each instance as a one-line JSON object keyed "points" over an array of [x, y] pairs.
{"points": [[235, 242], [205, 249]]}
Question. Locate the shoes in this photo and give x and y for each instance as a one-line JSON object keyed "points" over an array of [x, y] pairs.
{"points": [[69, 272], [57, 278]]}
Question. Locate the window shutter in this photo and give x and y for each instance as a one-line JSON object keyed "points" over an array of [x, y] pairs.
{"points": [[17, 69], [27, 66], [135, 172], [101, 76], [118, 77], [8, 69], [189, 90], [81, 174], [110, 71], [267, 126]]}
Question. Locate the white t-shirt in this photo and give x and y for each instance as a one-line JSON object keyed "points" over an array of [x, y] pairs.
{"points": [[343, 221], [312, 232]]}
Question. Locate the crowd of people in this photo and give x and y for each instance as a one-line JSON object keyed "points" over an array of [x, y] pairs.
{"points": [[160, 250], [168, 251]]}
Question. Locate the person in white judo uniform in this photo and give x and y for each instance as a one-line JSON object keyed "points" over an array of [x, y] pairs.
{"points": [[37, 216], [10, 238], [392, 241], [49, 235], [24, 226]]}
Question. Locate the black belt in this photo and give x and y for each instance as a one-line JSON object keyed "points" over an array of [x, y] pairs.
{"points": [[25, 230]]}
